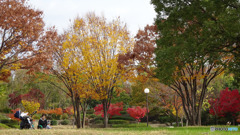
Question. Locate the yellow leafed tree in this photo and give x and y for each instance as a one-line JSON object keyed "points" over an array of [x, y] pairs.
{"points": [[30, 106], [92, 49]]}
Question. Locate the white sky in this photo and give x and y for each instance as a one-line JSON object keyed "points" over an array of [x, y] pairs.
{"points": [[135, 13]]}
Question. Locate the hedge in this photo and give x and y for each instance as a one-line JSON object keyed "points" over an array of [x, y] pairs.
{"points": [[118, 122], [65, 122], [122, 118], [98, 122], [98, 118], [64, 116], [53, 122], [90, 111], [10, 123]]}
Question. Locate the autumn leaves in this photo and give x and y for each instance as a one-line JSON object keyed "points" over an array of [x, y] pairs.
{"points": [[85, 58], [90, 57], [23, 38], [91, 53]]}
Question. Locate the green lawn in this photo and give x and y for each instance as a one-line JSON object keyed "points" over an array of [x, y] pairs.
{"points": [[139, 129]]}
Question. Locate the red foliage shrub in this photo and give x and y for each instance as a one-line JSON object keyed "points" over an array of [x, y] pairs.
{"points": [[56, 111], [137, 112], [32, 95], [14, 99], [228, 102], [11, 115], [114, 109]]}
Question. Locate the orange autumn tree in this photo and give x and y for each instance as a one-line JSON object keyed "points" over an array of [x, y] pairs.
{"points": [[93, 46], [23, 40], [141, 58], [141, 62]]}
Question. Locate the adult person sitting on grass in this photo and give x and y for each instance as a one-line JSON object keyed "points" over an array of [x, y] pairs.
{"points": [[42, 123]]}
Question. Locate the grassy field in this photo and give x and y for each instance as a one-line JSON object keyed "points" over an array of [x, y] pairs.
{"points": [[120, 130]]}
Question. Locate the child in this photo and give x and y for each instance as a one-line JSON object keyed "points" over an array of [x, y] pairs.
{"points": [[42, 123], [48, 125]]}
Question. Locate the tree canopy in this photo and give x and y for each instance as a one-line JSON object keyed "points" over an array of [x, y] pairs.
{"points": [[197, 42]]}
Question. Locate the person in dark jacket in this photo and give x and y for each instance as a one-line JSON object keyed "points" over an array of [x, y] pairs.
{"points": [[42, 123]]}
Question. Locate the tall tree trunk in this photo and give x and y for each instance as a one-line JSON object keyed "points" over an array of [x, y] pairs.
{"points": [[193, 122], [177, 123], [105, 113], [76, 109], [84, 112], [182, 121], [233, 119], [84, 118], [78, 118], [199, 116], [216, 120]]}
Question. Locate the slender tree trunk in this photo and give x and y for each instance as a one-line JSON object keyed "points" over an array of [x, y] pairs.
{"points": [[78, 118], [105, 113], [192, 119], [84, 118], [182, 121], [76, 109], [187, 122], [199, 116], [84, 112], [216, 120], [233, 119], [193, 122], [177, 118]]}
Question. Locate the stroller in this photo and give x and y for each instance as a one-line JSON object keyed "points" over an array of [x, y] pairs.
{"points": [[26, 121]]}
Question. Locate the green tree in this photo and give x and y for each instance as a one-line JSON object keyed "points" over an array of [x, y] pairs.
{"points": [[198, 40], [122, 97], [138, 97]]}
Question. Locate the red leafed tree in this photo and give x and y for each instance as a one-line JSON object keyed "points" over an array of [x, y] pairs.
{"points": [[142, 57], [32, 95], [227, 103], [216, 109], [137, 112], [14, 99], [114, 109], [35, 95], [23, 38]]}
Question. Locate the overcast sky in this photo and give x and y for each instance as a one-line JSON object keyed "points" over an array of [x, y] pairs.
{"points": [[136, 13]]}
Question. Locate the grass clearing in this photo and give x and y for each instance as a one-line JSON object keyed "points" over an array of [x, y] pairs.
{"points": [[138, 129], [3, 126]]}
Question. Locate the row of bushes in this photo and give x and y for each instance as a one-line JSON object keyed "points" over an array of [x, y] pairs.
{"points": [[9, 123], [5, 110], [3, 126], [64, 122], [52, 117], [113, 122], [117, 118]]}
